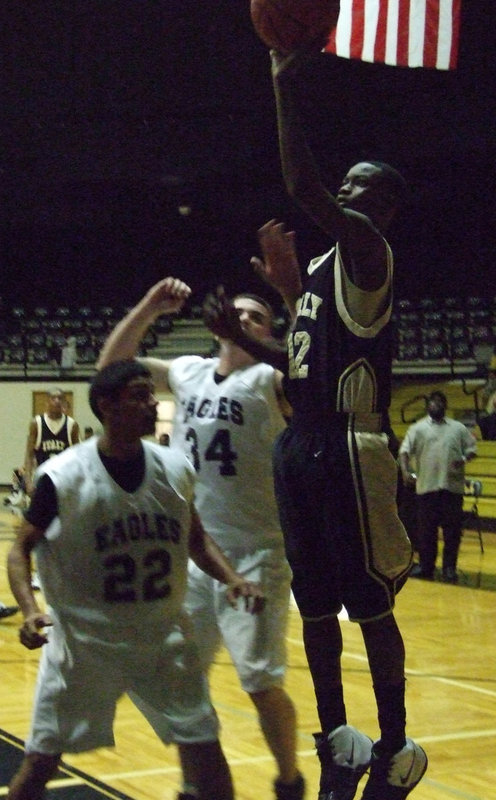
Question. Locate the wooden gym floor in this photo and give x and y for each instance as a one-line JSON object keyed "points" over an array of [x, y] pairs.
{"points": [[451, 699]]}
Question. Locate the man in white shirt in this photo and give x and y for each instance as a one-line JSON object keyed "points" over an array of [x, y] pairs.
{"points": [[441, 447]]}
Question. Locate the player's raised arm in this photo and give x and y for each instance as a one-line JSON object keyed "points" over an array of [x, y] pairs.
{"points": [[165, 297], [299, 168], [361, 242]]}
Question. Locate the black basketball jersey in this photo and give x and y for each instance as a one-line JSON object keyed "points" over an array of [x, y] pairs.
{"points": [[335, 363], [49, 444]]}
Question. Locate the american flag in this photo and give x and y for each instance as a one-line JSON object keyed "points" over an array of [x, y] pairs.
{"points": [[403, 33]]}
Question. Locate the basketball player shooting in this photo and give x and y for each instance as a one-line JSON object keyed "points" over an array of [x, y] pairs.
{"points": [[343, 537]]}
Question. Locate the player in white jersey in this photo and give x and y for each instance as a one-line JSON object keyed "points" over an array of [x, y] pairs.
{"points": [[113, 523], [229, 410], [227, 424]]}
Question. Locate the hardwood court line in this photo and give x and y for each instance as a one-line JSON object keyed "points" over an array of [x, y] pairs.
{"points": [[74, 776], [104, 776], [450, 737], [63, 783], [450, 791], [236, 762], [137, 773], [452, 682], [412, 672], [108, 776], [491, 732], [419, 673]]}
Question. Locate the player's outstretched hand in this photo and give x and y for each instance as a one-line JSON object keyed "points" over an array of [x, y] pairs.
{"points": [[31, 633], [220, 316], [286, 66], [252, 594], [279, 267], [168, 295]]}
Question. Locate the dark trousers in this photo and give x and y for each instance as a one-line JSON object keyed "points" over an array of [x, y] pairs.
{"points": [[441, 509]]}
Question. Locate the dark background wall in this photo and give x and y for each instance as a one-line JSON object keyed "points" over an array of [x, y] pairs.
{"points": [[116, 114]]}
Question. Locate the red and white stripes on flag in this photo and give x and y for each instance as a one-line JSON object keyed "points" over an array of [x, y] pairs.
{"points": [[403, 33]]}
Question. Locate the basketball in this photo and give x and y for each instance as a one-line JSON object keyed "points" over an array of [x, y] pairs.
{"points": [[285, 25]]}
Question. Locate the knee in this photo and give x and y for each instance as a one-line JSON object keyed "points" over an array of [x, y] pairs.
{"points": [[262, 698], [275, 709]]}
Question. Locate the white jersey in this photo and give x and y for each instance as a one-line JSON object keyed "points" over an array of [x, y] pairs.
{"points": [[111, 559], [228, 428]]}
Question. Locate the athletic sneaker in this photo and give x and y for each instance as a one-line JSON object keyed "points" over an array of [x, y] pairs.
{"points": [[290, 791], [344, 757], [394, 777]]}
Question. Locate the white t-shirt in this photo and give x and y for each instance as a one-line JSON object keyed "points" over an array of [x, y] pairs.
{"points": [[435, 446]]}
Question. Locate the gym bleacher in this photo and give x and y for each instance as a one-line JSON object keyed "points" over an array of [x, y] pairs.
{"points": [[448, 337], [442, 344], [436, 336], [33, 340]]}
